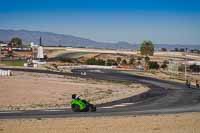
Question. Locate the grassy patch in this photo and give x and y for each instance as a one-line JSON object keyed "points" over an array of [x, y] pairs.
{"points": [[13, 63], [73, 55], [70, 57]]}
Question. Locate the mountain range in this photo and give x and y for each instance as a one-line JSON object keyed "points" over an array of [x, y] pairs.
{"points": [[53, 39]]}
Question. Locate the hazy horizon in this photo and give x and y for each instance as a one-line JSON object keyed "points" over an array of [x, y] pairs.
{"points": [[163, 22], [100, 41]]}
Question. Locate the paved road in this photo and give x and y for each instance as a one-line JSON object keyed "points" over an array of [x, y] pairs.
{"points": [[164, 97]]}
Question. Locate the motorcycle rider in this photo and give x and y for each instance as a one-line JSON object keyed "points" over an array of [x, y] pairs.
{"points": [[74, 97], [81, 103]]}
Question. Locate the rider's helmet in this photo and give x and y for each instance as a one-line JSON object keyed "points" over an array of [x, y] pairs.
{"points": [[73, 96]]}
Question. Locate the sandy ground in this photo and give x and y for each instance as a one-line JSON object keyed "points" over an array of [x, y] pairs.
{"points": [[177, 123], [33, 91]]}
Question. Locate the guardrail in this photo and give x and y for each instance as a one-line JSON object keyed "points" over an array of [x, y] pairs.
{"points": [[5, 73], [87, 66]]}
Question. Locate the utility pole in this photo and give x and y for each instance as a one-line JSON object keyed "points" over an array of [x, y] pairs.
{"points": [[186, 64], [0, 52]]}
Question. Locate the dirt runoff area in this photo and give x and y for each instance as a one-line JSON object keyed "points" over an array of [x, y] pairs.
{"points": [[176, 123], [25, 91]]}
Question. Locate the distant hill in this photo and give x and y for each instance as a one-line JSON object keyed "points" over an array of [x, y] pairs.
{"points": [[53, 39]]}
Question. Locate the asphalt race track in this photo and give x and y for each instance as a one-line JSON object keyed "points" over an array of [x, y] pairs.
{"points": [[164, 97]]}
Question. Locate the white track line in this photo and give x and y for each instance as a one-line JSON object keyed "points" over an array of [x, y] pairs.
{"points": [[118, 105], [54, 110], [57, 109], [5, 112]]}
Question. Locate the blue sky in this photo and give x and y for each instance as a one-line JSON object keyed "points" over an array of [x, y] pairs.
{"points": [[162, 21]]}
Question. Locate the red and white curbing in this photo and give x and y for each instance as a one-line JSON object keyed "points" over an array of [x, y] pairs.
{"points": [[5, 73]]}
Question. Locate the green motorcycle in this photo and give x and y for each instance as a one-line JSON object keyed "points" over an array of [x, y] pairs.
{"points": [[81, 105]]}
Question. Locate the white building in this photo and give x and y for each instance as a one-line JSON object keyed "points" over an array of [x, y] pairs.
{"points": [[3, 45], [40, 53]]}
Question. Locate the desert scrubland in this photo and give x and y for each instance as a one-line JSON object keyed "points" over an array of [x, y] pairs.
{"points": [[174, 123], [33, 91]]}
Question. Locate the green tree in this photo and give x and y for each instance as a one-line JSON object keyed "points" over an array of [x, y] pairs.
{"points": [[119, 59], [100, 62], [164, 64], [111, 62], [147, 48], [94, 61], [16, 42], [132, 60], [124, 62], [91, 61], [153, 65], [194, 68]]}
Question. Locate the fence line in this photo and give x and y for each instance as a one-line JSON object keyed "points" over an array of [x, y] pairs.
{"points": [[5, 73]]}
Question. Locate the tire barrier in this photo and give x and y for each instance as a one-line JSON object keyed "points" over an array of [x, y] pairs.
{"points": [[5, 73]]}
